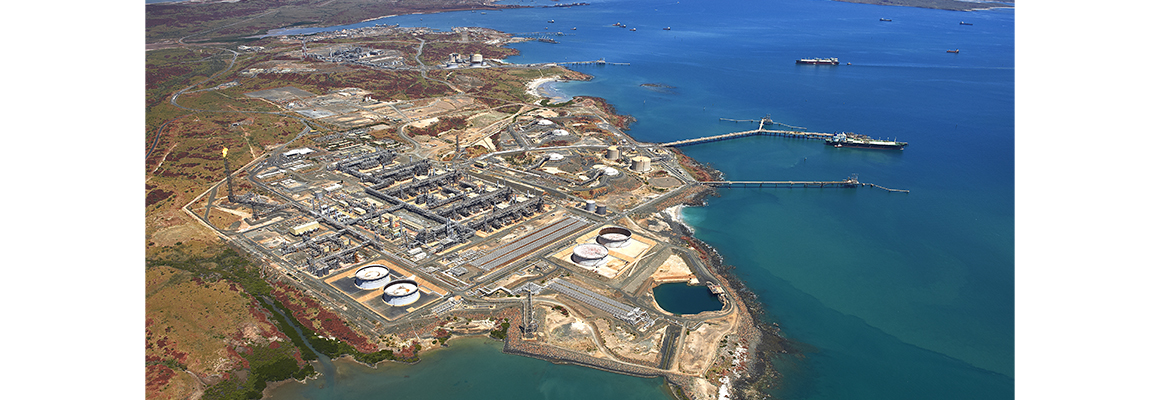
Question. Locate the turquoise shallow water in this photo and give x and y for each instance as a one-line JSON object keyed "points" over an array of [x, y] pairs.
{"points": [[474, 368], [888, 295]]}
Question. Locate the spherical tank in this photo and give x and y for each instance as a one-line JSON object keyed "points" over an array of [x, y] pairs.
{"points": [[371, 277], [401, 292]]}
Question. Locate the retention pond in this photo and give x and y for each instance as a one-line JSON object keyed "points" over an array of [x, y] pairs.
{"points": [[680, 298]]}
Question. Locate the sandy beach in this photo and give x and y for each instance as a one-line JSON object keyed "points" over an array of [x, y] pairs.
{"points": [[534, 85], [674, 212]]}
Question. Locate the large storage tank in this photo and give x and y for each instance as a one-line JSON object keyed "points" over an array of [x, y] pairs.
{"points": [[614, 237], [589, 254], [401, 292], [612, 153], [372, 277], [641, 164]]}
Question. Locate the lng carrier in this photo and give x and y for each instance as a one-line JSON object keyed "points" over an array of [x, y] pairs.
{"points": [[863, 141], [819, 61]]}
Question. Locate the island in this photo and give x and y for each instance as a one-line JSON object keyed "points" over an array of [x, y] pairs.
{"points": [[377, 192]]}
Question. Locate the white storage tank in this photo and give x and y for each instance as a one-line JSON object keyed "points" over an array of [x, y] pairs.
{"points": [[372, 277], [401, 292], [589, 254]]}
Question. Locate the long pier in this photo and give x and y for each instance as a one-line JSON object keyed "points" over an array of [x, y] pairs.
{"points": [[760, 131], [594, 62], [848, 183], [781, 184]]}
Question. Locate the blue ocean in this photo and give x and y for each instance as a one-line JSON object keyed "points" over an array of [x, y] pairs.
{"points": [[885, 295]]}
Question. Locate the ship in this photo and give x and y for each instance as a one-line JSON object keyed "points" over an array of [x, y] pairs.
{"points": [[668, 28], [965, 23], [884, 19], [863, 141], [633, 29], [956, 51], [819, 61]]}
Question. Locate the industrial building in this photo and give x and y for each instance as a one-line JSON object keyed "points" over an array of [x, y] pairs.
{"points": [[307, 227]]}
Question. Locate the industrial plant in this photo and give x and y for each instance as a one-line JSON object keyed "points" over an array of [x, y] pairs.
{"points": [[549, 207]]}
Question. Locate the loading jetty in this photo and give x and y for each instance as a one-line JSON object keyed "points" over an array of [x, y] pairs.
{"points": [[593, 62], [851, 182], [793, 132]]}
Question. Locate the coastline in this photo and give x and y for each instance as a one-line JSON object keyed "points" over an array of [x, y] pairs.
{"points": [[746, 329], [763, 338], [533, 87]]}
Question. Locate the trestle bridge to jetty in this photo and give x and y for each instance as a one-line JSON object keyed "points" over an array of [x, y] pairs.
{"points": [[593, 62], [848, 183], [797, 132]]}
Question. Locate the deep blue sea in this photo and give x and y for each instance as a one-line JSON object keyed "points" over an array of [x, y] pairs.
{"points": [[887, 295]]}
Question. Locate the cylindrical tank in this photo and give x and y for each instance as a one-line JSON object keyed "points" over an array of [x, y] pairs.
{"points": [[612, 153], [601, 209], [372, 277], [590, 205], [641, 164], [614, 237], [401, 292], [589, 254]]}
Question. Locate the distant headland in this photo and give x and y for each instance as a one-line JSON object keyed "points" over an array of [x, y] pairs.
{"points": [[953, 5]]}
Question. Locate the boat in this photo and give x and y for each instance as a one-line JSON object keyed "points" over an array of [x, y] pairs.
{"points": [[956, 51], [633, 29], [668, 29], [573, 28], [864, 142], [551, 21], [884, 19], [965, 23], [819, 61]]}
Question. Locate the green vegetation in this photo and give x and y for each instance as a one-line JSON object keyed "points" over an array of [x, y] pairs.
{"points": [[336, 348], [231, 266], [266, 365], [501, 333], [544, 103]]}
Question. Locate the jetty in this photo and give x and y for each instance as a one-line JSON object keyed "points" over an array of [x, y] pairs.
{"points": [[851, 182], [593, 62], [794, 132]]}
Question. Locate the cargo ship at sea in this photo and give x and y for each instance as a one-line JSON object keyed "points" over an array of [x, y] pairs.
{"points": [[819, 61], [863, 141]]}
